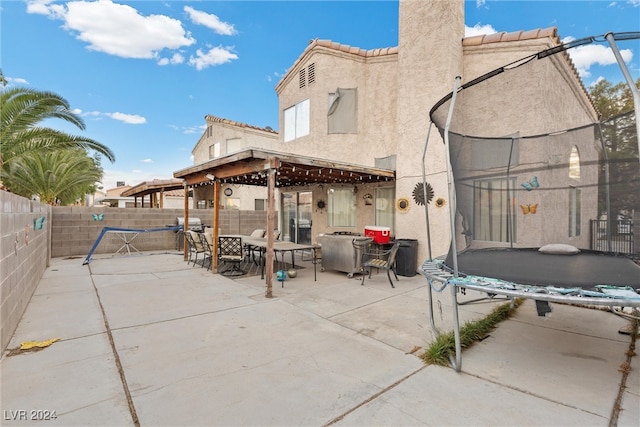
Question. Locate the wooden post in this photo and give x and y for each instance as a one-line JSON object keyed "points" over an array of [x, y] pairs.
{"points": [[271, 184], [185, 227], [216, 225]]}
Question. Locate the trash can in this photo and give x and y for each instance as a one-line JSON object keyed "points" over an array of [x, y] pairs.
{"points": [[407, 257]]}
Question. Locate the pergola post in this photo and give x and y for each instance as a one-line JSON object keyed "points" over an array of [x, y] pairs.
{"points": [[216, 226], [271, 204], [185, 226]]}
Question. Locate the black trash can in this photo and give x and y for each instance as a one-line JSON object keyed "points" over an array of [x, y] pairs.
{"points": [[407, 257]]}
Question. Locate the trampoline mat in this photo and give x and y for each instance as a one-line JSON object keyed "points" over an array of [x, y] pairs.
{"points": [[530, 267]]}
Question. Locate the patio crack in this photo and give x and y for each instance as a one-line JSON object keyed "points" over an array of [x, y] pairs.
{"points": [[116, 357]]}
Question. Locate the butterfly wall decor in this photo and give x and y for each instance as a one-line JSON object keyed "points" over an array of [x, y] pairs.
{"points": [[527, 209], [38, 223], [530, 185], [98, 217]]}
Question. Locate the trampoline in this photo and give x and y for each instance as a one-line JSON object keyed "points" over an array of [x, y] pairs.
{"points": [[529, 163]]}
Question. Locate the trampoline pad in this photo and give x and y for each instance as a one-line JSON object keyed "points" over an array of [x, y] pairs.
{"points": [[530, 267]]}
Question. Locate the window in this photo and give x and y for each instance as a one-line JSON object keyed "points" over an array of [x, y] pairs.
{"points": [[296, 121], [574, 211], [260, 204], [214, 150], [384, 203], [493, 218], [232, 203], [342, 116], [574, 163], [341, 207]]}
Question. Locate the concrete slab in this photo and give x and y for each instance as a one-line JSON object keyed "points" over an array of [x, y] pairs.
{"points": [[200, 349], [75, 379], [438, 396], [265, 364]]}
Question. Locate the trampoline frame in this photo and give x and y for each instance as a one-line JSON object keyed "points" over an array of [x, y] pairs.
{"points": [[435, 271]]}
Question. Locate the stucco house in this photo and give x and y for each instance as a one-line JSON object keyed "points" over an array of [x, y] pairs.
{"points": [[367, 111]]}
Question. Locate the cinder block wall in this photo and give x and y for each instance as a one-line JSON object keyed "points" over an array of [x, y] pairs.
{"points": [[24, 256], [75, 230], [68, 231]]}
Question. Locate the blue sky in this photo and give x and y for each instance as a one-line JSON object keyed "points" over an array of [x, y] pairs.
{"points": [[143, 74]]}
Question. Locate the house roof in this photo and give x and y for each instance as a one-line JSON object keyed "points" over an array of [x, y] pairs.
{"points": [[485, 39], [539, 33], [155, 186], [250, 167], [216, 119]]}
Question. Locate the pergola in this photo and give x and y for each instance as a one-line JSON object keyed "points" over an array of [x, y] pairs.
{"points": [[154, 189], [274, 170]]}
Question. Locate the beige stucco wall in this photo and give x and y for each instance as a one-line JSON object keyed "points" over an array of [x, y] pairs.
{"points": [[430, 57], [375, 80]]}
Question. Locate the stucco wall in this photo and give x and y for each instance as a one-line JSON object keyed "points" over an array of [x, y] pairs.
{"points": [[24, 256]]}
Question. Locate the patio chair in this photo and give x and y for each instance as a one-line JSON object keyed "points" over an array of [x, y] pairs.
{"points": [[230, 251], [258, 232], [207, 249], [380, 259], [195, 246]]}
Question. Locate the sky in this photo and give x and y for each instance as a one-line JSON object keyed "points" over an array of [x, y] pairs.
{"points": [[144, 74]]}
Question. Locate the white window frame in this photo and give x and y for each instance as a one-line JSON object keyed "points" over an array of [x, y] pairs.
{"points": [[575, 211], [493, 217], [341, 207], [296, 120]]}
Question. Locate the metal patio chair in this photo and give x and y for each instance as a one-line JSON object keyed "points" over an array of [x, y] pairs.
{"points": [[195, 246], [207, 249], [230, 251], [380, 259]]}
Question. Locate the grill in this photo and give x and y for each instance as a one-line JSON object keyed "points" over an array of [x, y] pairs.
{"points": [[194, 223]]}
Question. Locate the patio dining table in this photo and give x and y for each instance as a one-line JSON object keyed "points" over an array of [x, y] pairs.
{"points": [[280, 247]]}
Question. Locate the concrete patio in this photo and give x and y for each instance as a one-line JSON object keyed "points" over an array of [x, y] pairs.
{"points": [[149, 340]]}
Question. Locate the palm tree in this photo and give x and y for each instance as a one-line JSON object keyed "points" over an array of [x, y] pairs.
{"points": [[21, 111], [55, 176]]}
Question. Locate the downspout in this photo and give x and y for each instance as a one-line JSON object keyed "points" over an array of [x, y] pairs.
{"points": [[424, 191]]}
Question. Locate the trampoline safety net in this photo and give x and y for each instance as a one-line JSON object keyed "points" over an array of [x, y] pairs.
{"points": [[532, 163]]}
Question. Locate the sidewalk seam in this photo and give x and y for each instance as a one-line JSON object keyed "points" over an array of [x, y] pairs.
{"points": [[116, 356]]}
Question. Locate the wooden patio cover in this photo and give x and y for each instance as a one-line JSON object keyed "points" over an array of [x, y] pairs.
{"points": [[151, 189], [274, 170]]}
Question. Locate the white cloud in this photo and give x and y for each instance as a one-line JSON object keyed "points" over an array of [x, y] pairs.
{"points": [[177, 58], [480, 3], [478, 30], [634, 3], [147, 160], [584, 57], [194, 129], [116, 29], [17, 80], [211, 21], [132, 119], [215, 56]]}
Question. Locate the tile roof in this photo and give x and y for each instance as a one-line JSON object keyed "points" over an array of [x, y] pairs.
{"points": [[538, 33], [350, 49], [215, 119]]}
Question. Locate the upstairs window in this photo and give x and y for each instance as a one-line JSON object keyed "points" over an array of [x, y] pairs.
{"points": [[214, 150], [342, 116], [574, 163], [296, 121]]}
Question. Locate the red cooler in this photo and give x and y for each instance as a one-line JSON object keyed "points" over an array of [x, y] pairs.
{"points": [[378, 234]]}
